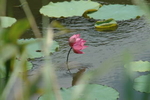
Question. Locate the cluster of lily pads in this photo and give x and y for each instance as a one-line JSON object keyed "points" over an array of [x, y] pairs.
{"points": [[141, 83], [107, 14]]}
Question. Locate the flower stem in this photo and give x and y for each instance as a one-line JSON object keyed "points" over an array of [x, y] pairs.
{"points": [[67, 59]]}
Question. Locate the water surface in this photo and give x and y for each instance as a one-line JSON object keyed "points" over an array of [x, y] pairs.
{"points": [[131, 35]]}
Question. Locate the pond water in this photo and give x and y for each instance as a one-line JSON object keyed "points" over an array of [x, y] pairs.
{"points": [[132, 35]]}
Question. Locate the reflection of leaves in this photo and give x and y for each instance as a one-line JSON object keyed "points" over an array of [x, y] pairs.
{"points": [[142, 83], [117, 12], [141, 66], [77, 76], [68, 9], [91, 92]]}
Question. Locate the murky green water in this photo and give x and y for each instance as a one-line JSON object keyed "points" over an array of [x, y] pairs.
{"points": [[130, 35]]}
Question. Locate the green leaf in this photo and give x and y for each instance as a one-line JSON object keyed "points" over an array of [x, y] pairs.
{"points": [[106, 25], [141, 66], [91, 92], [34, 47], [5, 53], [3, 71], [18, 29], [7, 21], [142, 83], [68, 9], [12, 34], [117, 12]]}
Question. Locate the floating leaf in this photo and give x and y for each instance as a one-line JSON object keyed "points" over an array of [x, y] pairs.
{"points": [[141, 66], [106, 25], [68, 9], [7, 21], [34, 47], [91, 92], [117, 12], [142, 83]]}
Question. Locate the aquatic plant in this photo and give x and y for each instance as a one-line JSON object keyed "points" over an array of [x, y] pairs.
{"points": [[140, 66], [106, 25], [77, 44], [7, 21], [117, 12], [34, 47], [141, 83], [68, 9], [91, 92]]}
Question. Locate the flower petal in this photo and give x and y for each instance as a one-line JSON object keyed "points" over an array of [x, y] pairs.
{"points": [[78, 51], [73, 39]]}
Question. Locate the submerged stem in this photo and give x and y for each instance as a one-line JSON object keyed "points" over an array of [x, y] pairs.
{"points": [[67, 59]]}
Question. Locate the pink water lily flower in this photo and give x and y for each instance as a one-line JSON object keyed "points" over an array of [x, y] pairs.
{"points": [[77, 43]]}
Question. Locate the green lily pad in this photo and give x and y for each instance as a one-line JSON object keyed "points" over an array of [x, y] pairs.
{"points": [[91, 92], [34, 47], [68, 9], [142, 83], [106, 25], [3, 71], [141, 66], [7, 21], [117, 12]]}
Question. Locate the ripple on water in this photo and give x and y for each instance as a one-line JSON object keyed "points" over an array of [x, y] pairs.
{"points": [[129, 32], [104, 45]]}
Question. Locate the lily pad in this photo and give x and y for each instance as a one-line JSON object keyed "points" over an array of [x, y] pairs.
{"points": [[68, 9], [34, 47], [141, 66], [106, 25], [142, 83], [91, 92], [117, 12], [7, 21]]}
